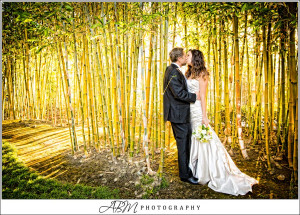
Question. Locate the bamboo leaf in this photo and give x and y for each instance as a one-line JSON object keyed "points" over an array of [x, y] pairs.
{"points": [[40, 49], [27, 20], [46, 32], [277, 24], [33, 40], [99, 20], [94, 37], [69, 19], [68, 7], [244, 7], [97, 25]]}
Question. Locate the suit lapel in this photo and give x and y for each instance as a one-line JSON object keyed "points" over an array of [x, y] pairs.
{"points": [[182, 76]]}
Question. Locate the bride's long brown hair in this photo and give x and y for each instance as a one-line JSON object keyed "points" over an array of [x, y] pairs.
{"points": [[198, 68]]}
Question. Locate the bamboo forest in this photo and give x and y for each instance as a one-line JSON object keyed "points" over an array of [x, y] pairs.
{"points": [[82, 96]]}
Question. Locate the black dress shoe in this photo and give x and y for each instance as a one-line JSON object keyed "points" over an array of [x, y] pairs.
{"points": [[191, 175], [190, 180], [196, 179]]}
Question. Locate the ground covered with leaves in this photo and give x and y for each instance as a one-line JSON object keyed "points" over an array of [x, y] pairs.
{"points": [[47, 169]]}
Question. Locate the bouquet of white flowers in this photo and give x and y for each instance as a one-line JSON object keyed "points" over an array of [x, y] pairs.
{"points": [[202, 133]]}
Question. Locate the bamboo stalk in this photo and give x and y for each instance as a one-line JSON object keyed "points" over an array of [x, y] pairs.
{"points": [[220, 81], [238, 88], [295, 154], [130, 78], [279, 104], [119, 80], [269, 66], [257, 87], [91, 87], [127, 72], [67, 81], [79, 86], [108, 84], [174, 24], [39, 88], [272, 82], [266, 120], [211, 106], [227, 111], [85, 90], [26, 78], [249, 98], [114, 91], [90, 95], [292, 87], [134, 102], [138, 143], [185, 25], [216, 80], [163, 56], [145, 136], [148, 116], [45, 87], [65, 96], [154, 86], [234, 122]]}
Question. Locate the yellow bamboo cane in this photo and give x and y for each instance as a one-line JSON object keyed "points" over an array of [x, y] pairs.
{"points": [[266, 120]]}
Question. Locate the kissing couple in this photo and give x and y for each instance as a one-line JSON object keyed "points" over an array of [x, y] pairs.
{"points": [[184, 99]]}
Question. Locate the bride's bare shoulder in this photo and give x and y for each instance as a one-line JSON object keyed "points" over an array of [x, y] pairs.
{"points": [[202, 79]]}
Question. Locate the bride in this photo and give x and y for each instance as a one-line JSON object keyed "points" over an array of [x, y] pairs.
{"points": [[209, 161]]}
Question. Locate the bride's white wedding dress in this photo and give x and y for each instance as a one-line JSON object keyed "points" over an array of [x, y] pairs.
{"points": [[210, 162]]}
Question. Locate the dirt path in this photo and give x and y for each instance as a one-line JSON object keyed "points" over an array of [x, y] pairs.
{"points": [[46, 150]]}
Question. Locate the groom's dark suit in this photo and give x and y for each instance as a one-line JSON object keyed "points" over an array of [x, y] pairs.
{"points": [[177, 101]]}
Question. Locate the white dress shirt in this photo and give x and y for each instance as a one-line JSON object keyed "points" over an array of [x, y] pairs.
{"points": [[179, 69]]}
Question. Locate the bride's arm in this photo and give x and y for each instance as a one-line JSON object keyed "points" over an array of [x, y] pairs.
{"points": [[203, 88]]}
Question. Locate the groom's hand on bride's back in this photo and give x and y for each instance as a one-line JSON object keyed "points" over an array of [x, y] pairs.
{"points": [[198, 95]]}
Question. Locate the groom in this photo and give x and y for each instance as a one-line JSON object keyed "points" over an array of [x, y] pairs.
{"points": [[177, 101]]}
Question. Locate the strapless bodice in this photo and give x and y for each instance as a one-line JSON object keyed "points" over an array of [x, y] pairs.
{"points": [[195, 108], [193, 85]]}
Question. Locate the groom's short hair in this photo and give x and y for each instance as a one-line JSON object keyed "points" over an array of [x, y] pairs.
{"points": [[175, 54]]}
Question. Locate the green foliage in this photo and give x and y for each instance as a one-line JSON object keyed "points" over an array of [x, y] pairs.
{"points": [[21, 183], [164, 183], [149, 187], [146, 179], [44, 20]]}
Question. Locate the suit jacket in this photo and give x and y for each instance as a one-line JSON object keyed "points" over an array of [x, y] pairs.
{"points": [[177, 99]]}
